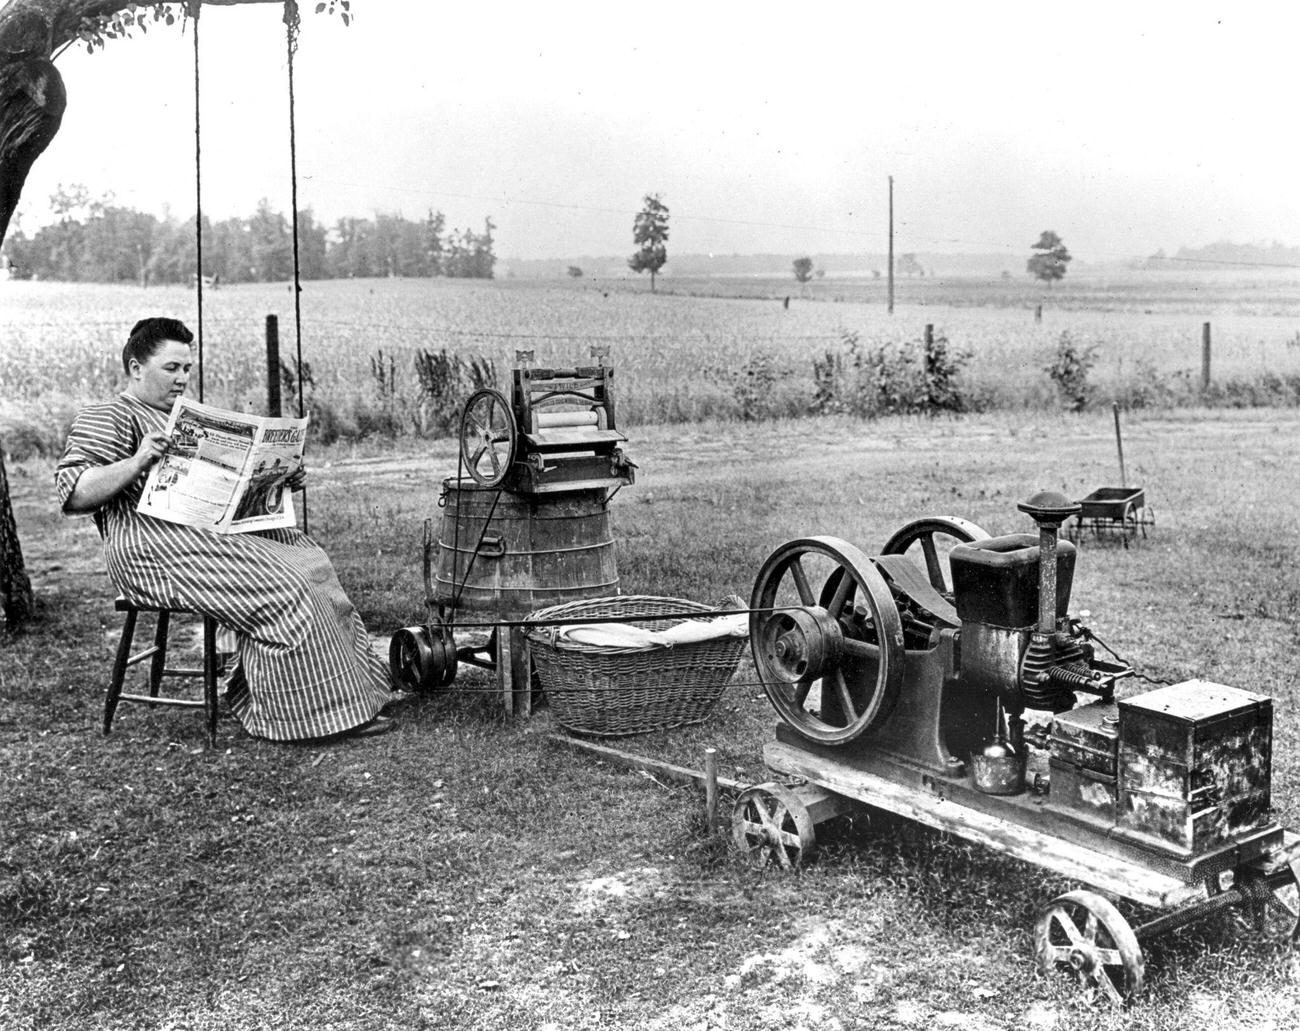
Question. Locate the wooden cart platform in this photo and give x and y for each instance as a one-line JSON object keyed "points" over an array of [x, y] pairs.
{"points": [[1081, 931], [1107, 873]]}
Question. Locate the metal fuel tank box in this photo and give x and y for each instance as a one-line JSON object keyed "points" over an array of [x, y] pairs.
{"points": [[1195, 762], [1083, 745]]}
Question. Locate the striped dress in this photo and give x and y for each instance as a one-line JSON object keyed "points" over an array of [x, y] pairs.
{"points": [[305, 668]]}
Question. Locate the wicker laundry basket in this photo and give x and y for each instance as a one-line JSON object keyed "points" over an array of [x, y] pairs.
{"points": [[611, 691]]}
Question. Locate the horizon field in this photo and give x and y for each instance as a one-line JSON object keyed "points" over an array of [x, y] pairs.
{"points": [[682, 354]]}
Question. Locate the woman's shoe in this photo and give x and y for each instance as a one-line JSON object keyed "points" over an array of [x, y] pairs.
{"points": [[378, 725]]}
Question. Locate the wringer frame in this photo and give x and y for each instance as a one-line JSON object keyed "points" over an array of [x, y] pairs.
{"points": [[906, 681], [527, 529]]}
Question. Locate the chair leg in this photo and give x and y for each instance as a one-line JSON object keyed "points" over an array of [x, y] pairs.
{"points": [[159, 661], [119, 667], [210, 674]]}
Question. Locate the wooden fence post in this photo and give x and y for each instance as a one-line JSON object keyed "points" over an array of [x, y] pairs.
{"points": [[1205, 356], [273, 404], [711, 788]]}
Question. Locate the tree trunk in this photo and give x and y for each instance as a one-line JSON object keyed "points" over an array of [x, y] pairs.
{"points": [[32, 97], [15, 587]]}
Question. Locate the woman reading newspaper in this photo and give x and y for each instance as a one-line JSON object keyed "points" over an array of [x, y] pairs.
{"points": [[305, 669]]}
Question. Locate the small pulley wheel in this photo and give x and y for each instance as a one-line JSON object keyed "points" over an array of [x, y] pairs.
{"points": [[928, 542], [1082, 933], [800, 644], [422, 658], [827, 639], [770, 826], [488, 437], [447, 642]]}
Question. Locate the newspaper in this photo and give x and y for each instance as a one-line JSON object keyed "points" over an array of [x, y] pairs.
{"points": [[225, 471]]}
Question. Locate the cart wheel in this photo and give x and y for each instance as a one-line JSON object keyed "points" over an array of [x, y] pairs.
{"points": [[929, 541], [1084, 933], [1128, 524], [1146, 517], [770, 825], [1275, 906]]}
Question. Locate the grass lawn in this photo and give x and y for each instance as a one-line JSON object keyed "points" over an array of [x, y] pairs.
{"points": [[467, 872]]}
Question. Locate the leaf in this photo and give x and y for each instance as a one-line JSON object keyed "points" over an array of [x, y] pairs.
{"points": [[319, 8]]}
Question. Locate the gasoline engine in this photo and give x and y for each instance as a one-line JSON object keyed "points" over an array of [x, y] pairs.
{"points": [[921, 666]]}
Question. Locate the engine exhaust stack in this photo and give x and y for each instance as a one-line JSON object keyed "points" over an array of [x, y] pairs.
{"points": [[1049, 510]]}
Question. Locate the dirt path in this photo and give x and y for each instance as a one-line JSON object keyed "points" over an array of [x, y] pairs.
{"points": [[669, 454], [1252, 443]]}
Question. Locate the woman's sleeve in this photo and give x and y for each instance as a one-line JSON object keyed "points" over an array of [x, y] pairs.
{"points": [[99, 435]]}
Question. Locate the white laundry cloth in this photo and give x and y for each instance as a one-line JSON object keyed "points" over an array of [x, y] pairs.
{"points": [[692, 630], [628, 636], [608, 635]]}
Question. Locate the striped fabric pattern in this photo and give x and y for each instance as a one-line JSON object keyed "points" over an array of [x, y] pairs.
{"points": [[305, 668]]}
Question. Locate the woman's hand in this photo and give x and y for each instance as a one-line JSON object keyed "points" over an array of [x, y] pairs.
{"points": [[152, 447], [100, 484], [297, 479]]}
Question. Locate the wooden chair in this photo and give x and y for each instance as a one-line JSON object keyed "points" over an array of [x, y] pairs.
{"points": [[158, 669]]}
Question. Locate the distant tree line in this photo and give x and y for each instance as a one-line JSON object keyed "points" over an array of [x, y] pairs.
{"points": [[1225, 255], [98, 241]]}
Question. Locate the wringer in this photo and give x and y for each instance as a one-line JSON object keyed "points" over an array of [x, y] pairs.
{"points": [[527, 528]]}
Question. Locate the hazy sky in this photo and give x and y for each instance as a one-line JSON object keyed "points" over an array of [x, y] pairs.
{"points": [[765, 127]]}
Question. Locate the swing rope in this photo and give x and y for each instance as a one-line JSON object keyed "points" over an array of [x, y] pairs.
{"points": [[198, 190], [291, 35], [291, 21]]}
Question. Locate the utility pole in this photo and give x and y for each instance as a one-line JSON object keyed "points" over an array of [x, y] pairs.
{"points": [[891, 245]]}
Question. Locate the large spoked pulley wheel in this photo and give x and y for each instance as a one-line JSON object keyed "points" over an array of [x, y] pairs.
{"points": [[771, 827], [928, 542], [827, 639], [422, 658], [1082, 933], [488, 437]]}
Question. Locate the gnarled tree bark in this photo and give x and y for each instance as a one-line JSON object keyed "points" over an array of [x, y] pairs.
{"points": [[32, 96], [15, 587]]}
